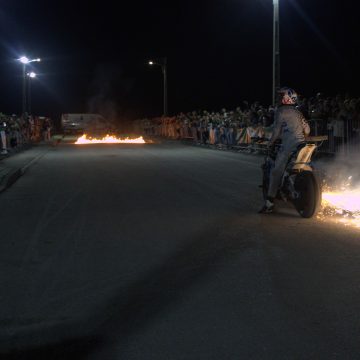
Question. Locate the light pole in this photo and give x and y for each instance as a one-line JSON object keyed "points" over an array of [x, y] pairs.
{"points": [[24, 60], [31, 75], [276, 51], [163, 64]]}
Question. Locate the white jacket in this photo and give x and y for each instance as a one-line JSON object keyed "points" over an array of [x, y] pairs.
{"points": [[290, 126]]}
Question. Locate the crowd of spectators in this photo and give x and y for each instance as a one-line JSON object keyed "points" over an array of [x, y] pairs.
{"points": [[338, 117], [17, 131]]}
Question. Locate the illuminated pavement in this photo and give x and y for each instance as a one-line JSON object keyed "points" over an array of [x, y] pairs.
{"points": [[157, 252]]}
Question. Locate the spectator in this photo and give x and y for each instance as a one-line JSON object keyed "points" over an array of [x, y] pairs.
{"points": [[336, 116], [3, 129], [46, 128]]}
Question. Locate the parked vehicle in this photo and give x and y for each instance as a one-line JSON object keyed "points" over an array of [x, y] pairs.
{"points": [[84, 123]]}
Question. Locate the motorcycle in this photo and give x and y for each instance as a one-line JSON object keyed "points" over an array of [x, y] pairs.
{"points": [[300, 183]]}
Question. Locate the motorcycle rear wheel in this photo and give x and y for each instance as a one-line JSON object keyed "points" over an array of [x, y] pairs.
{"points": [[309, 200]]}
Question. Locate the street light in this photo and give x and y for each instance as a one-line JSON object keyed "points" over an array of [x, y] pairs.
{"points": [[163, 64], [276, 51], [24, 60], [30, 75]]}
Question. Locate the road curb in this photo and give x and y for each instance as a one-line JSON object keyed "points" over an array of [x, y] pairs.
{"points": [[10, 179], [13, 175]]}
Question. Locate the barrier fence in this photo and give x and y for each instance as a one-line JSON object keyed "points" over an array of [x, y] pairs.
{"points": [[16, 132], [342, 136]]}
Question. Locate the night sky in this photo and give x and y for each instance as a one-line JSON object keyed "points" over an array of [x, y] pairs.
{"points": [[94, 56]]}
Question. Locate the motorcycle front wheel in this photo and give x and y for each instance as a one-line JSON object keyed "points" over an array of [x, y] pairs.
{"points": [[308, 201]]}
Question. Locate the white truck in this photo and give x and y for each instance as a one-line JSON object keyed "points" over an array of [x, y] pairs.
{"points": [[84, 123]]}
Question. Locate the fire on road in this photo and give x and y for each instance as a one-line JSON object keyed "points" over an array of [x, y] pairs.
{"points": [[108, 139], [343, 204]]}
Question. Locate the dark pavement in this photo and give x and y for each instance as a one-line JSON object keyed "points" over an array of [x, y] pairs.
{"points": [[156, 251]]}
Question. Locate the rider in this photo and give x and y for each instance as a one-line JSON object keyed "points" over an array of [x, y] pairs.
{"points": [[291, 127]]}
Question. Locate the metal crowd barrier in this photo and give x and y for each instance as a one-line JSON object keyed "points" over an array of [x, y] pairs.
{"points": [[343, 135]]}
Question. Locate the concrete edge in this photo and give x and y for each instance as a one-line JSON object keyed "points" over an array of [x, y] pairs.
{"points": [[13, 175]]}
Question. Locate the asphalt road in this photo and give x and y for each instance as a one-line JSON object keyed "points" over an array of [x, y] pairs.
{"points": [[156, 251]]}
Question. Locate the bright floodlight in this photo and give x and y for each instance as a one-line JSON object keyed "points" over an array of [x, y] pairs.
{"points": [[24, 60], [31, 74], [276, 2], [151, 63]]}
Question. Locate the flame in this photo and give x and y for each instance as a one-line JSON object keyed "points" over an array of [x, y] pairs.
{"points": [[108, 139], [347, 201], [344, 204]]}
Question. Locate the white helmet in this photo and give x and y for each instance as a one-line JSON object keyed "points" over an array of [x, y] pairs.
{"points": [[288, 96]]}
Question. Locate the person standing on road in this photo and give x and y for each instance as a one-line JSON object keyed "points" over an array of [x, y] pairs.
{"points": [[46, 129], [3, 129], [291, 127]]}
